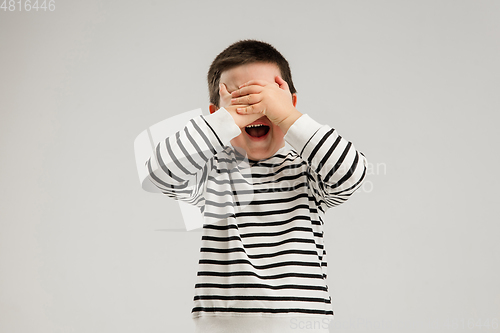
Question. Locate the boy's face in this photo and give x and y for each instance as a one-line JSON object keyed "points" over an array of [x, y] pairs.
{"points": [[267, 145]]}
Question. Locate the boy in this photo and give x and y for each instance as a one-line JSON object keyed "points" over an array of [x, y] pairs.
{"points": [[262, 174]]}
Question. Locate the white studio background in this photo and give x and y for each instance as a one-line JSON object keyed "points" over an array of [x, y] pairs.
{"points": [[413, 84]]}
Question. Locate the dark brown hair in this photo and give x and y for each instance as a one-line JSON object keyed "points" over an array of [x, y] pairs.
{"points": [[241, 53]]}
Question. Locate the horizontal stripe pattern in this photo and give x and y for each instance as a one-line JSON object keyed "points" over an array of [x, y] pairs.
{"points": [[262, 245]]}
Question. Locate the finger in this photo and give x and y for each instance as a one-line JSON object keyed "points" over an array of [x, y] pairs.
{"points": [[262, 83], [253, 89], [247, 99], [251, 109]]}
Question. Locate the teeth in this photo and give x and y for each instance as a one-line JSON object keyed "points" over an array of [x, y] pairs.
{"points": [[258, 125]]}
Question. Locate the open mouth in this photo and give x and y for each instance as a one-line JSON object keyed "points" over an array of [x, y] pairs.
{"points": [[257, 131]]}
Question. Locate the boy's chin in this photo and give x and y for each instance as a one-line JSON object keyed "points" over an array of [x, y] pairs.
{"points": [[257, 152]]}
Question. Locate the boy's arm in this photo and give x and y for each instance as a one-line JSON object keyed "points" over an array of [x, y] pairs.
{"points": [[181, 162], [337, 168]]}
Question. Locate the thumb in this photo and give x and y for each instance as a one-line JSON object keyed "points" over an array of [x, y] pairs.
{"points": [[282, 83], [223, 90]]}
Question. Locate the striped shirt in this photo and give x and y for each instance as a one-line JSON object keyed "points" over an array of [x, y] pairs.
{"points": [[262, 251]]}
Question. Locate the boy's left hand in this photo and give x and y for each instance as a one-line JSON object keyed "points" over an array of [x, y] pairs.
{"points": [[273, 100]]}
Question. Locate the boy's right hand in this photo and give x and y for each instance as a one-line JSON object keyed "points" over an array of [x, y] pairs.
{"points": [[241, 120]]}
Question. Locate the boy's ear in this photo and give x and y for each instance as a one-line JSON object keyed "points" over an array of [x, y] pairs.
{"points": [[212, 108], [294, 99]]}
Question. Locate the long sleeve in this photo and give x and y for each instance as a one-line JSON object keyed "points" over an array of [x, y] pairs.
{"points": [[336, 168], [181, 162]]}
